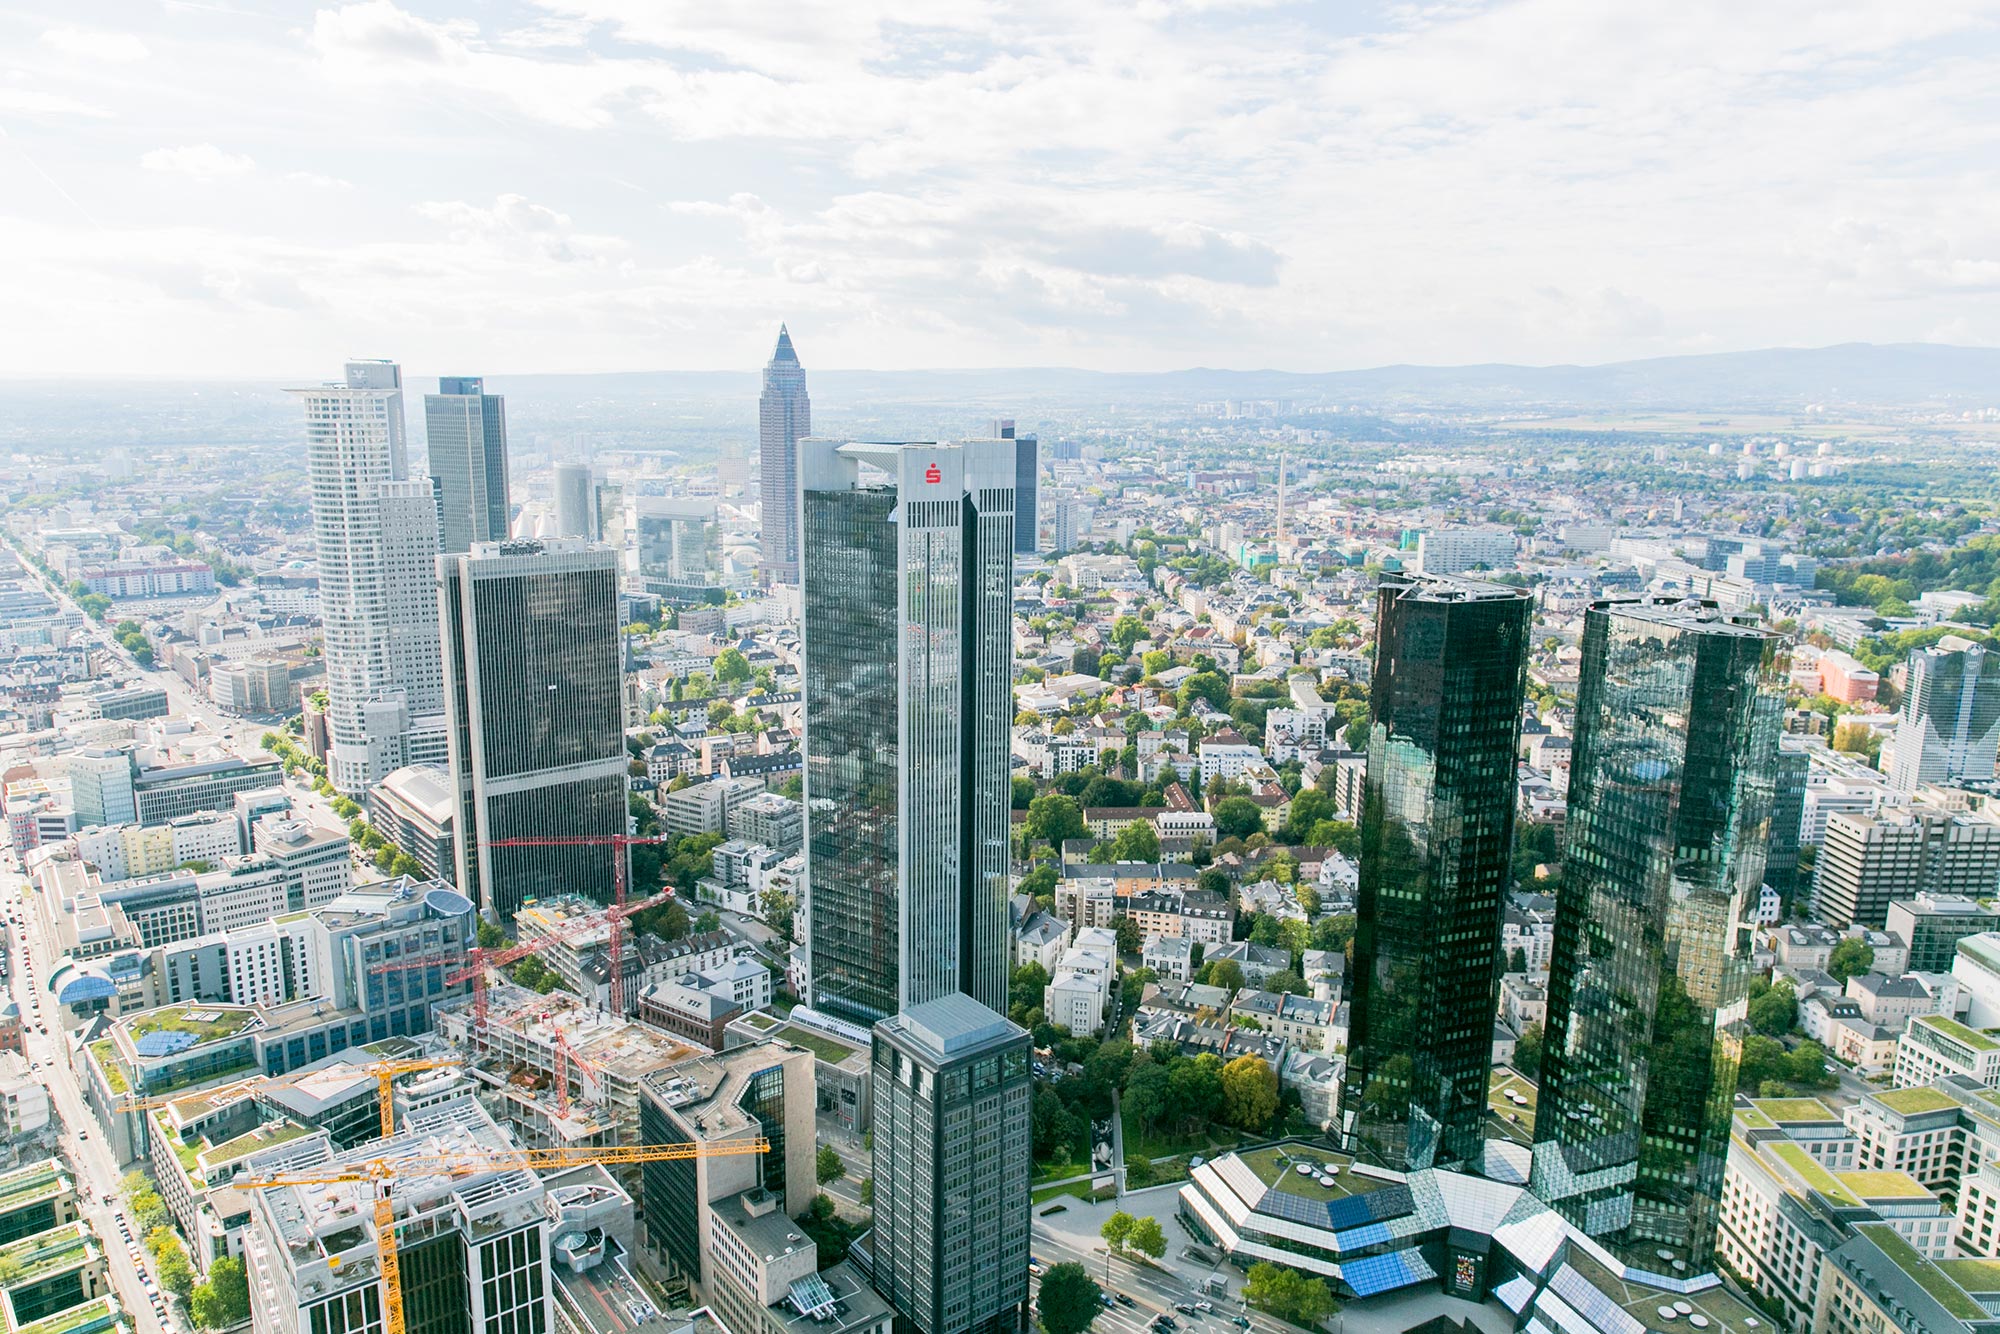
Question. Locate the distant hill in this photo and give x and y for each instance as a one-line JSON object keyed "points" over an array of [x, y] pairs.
{"points": [[695, 410]]}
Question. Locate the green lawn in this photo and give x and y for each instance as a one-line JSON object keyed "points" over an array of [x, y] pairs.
{"points": [[1075, 1189], [826, 1048], [227, 1023]]}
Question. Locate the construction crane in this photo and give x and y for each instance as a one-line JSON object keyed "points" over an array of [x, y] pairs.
{"points": [[385, 1073], [479, 958], [381, 1173], [622, 842]]}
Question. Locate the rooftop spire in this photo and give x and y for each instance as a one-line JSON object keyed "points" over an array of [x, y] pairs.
{"points": [[784, 351]]}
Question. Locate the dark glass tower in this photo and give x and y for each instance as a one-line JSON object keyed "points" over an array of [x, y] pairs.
{"points": [[1437, 829], [908, 587], [466, 432], [535, 701], [1671, 784], [1027, 475], [784, 417]]}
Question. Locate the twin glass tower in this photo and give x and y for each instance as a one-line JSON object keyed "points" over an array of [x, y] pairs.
{"points": [[1671, 784]]}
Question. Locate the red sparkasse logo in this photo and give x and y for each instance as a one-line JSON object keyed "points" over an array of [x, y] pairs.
{"points": [[932, 475]]}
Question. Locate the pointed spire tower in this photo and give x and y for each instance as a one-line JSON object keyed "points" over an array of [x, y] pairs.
{"points": [[784, 414]]}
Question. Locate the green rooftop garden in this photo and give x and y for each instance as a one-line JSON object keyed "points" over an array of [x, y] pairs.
{"points": [[1755, 1119], [206, 1023], [1938, 1282], [1277, 1167], [267, 1136], [1911, 1101], [105, 1052], [89, 1318], [28, 1183], [1973, 1275], [45, 1252], [1883, 1185], [1781, 1110], [760, 1021], [1951, 1028], [828, 1049], [1813, 1175]]}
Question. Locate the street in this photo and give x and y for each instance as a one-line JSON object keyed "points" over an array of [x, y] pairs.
{"points": [[97, 1176]]}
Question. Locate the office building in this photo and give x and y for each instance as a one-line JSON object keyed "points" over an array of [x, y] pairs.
{"points": [[100, 787], [1456, 550], [537, 717], [1950, 728], [473, 1245], [167, 792], [907, 647], [784, 417], [1867, 861], [466, 429], [952, 1165], [1437, 832], [1933, 924], [677, 544], [576, 502], [1027, 480], [1671, 779], [376, 533], [416, 808], [1788, 814]]}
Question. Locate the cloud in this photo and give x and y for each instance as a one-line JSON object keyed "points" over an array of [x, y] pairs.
{"points": [[317, 181], [86, 44], [516, 224], [51, 106], [202, 162]]}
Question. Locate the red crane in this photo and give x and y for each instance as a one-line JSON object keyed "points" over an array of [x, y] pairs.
{"points": [[479, 958], [618, 910]]}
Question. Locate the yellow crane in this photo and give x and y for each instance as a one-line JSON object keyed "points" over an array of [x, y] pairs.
{"points": [[385, 1073], [381, 1173]]}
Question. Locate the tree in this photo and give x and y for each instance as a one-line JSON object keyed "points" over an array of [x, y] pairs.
{"points": [[223, 1298], [731, 666], [828, 1166], [1528, 1051], [1147, 1237], [1287, 1294], [1775, 1010], [1850, 958], [1517, 960], [1238, 817], [1203, 687], [1117, 1230], [1068, 1301], [1127, 631], [1130, 938], [1136, 842], [1039, 883], [1053, 1128], [1026, 986], [1054, 818], [1249, 1093], [1227, 974], [1024, 792]]}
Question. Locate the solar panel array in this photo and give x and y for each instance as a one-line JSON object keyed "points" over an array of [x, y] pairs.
{"points": [[165, 1042], [1381, 1273], [1593, 1305]]}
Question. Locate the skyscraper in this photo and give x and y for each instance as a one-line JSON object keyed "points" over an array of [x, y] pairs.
{"points": [[1027, 476], [466, 429], [784, 417], [1437, 830], [907, 651], [576, 502], [1671, 778], [537, 717], [954, 1156], [1950, 728], [678, 546], [376, 534]]}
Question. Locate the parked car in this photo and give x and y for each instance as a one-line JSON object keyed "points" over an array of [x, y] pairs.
{"points": [[1123, 1300]]}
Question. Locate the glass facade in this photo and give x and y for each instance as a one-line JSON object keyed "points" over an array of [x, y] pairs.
{"points": [[1671, 788], [1788, 814], [851, 771], [436, 1299], [764, 1099], [908, 602], [1437, 831], [784, 417], [670, 1193], [535, 702], [1027, 477], [466, 432]]}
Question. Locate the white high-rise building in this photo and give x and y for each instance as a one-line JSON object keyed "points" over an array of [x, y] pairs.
{"points": [[1950, 729], [377, 535]]}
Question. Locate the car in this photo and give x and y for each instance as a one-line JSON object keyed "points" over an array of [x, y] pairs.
{"points": [[1204, 1307], [1123, 1300], [1165, 1322], [1104, 1297], [81, 1133], [1037, 1268], [1186, 1308], [1240, 1321]]}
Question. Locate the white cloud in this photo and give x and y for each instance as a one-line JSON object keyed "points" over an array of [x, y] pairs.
{"points": [[514, 224], [203, 162], [87, 44], [318, 181], [40, 105]]}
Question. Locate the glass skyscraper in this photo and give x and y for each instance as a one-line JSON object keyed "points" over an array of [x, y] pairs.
{"points": [[907, 645], [465, 429], [535, 698], [784, 417], [1671, 785], [1437, 828]]}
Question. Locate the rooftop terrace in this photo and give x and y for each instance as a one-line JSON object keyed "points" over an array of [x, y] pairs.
{"points": [[1277, 1167]]}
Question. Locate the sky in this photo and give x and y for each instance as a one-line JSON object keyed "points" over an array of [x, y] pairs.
{"points": [[254, 188]]}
